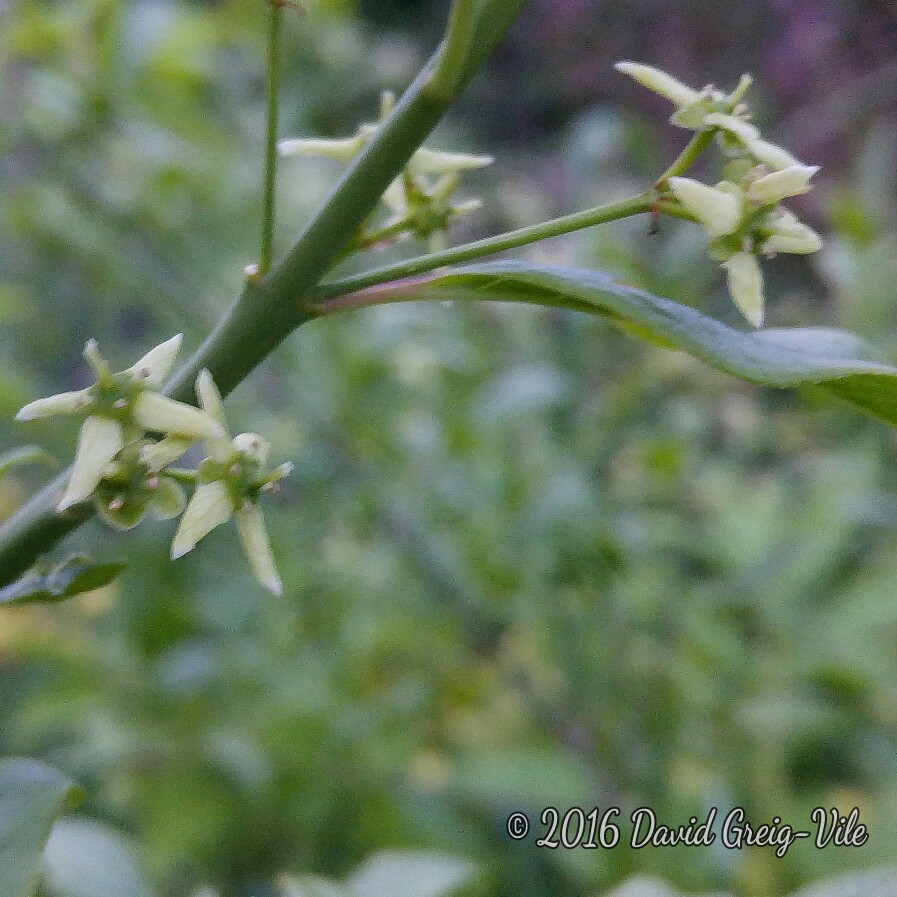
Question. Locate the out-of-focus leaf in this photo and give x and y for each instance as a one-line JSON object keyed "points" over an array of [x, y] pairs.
{"points": [[72, 577], [310, 886], [876, 883], [85, 859], [527, 777], [410, 874], [829, 359], [26, 454], [32, 795], [649, 886]]}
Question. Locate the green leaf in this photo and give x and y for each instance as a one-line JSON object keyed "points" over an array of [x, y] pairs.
{"points": [[85, 859], [26, 454], [833, 360], [32, 795], [73, 576]]}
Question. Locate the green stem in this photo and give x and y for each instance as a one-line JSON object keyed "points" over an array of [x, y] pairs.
{"points": [[687, 157], [613, 211], [456, 46], [366, 241], [271, 136], [268, 310]]}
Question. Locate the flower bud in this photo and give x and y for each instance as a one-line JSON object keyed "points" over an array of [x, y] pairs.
{"points": [[719, 211], [253, 446], [746, 286]]}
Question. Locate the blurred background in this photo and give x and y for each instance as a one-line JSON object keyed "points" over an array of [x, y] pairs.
{"points": [[529, 560]]}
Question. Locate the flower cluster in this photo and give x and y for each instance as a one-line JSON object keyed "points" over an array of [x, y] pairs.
{"points": [[419, 201], [742, 214], [126, 470]]}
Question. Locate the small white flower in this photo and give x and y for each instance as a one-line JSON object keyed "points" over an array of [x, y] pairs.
{"points": [[119, 408], [419, 197], [232, 479], [778, 185], [660, 82], [746, 286], [719, 211]]}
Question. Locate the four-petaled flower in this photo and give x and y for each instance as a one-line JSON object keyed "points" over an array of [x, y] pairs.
{"points": [[120, 408], [231, 479], [742, 214], [419, 199]]}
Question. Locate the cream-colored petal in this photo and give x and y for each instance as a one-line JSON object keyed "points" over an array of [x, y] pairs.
{"points": [[254, 537], [166, 451], [430, 161], [772, 156], [796, 244], [719, 211], [219, 448], [779, 185], [210, 507], [343, 150], [660, 82], [746, 286], [159, 413], [789, 234], [61, 403], [99, 441], [155, 366]]}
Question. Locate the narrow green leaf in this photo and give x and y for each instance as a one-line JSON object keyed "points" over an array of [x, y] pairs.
{"points": [[72, 577], [836, 361], [32, 795]]}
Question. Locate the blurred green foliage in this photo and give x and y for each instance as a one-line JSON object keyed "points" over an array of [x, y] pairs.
{"points": [[528, 561]]}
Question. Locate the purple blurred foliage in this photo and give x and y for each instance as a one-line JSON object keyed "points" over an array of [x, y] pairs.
{"points": [[804, 54]]}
